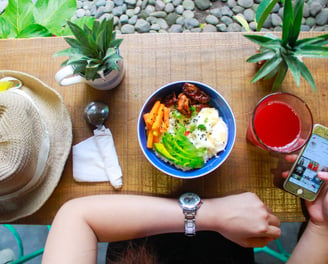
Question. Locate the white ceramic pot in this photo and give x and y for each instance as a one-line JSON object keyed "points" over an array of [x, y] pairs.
{"points": [[65, 76]]}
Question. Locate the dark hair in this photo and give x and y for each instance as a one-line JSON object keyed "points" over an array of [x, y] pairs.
{"points": [[127, 252]]}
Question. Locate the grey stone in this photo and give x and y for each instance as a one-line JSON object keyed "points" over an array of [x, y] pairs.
{"points": [[169, 8], [177, 2], [160, 5], [221, 27], [162, 23], [305, 28], [188, 14], [171, 18], [249, 14], [155, 27], [101, 3], [158, 14], [216, 12], [276, 20], [226, 11], [276, 8], [246, 3], [232, 3], [142, 26], [322, 17], [149, 9], [133, 20], [315, 8], [124, 19], [234, 27], [238, 9], [179, 9], [226, 20], [191, 23], [203, 4], [176, 28], [180, 20], [188, 4], [118, 2], [80, 13], [127, 29], [117, 11], [213, 20], [209, 28], [252, 25], [306, 10], [310, 21], [130, 2]]}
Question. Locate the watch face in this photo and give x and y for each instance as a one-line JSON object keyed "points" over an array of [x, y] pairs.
{"points": [[190, 200]]}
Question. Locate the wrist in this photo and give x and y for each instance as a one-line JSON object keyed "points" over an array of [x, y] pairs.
{"points": [[318, 229], [208, 216]]}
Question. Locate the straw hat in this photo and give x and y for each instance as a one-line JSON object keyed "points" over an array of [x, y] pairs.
{"points": [[35, 141]]}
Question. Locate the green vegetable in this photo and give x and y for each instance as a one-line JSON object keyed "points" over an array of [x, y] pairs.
{"points": [[179, 150]]}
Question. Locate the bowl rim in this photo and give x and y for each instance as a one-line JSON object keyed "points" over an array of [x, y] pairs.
{"points": [[227, 154]]}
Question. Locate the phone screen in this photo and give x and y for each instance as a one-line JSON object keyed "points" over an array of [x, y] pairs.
{"points": [[313, 159]]}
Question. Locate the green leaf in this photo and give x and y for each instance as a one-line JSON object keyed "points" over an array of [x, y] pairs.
{"points": [[293, 64], [295, 30], [306, 74], [34, 30], [267, 54], [91, 72], [86, 20], [312, 51], [262, 12], [265, 41], [318, 41], [242, 21], [18, 14], [53, 14], [281, 74], [269, 66], [5, 29], [287, 21]]}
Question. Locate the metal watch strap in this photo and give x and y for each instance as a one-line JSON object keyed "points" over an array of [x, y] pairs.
{"points": [[190, 226]]}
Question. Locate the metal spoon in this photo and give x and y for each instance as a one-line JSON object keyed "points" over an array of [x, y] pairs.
{"points": [[96, 113]]}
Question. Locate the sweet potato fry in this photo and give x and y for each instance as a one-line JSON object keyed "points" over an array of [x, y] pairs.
{"points": [[159, 118], [150, 137]]}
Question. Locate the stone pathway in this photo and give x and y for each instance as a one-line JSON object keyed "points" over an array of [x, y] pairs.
{"points": [[143, 16]]}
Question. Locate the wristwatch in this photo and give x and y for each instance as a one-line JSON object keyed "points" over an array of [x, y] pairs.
{"points": [[190, 203]]}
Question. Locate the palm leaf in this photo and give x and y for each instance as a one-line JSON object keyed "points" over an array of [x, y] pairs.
{"points": [[269, 66], [293, 64], [281, 74], [318, 41], [306, 74], [262, 12], [267, 54], [295, 30], [312, 51], [287, 21]]}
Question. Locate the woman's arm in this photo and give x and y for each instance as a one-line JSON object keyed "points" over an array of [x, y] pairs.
{"points": [[312, 247], [81, 223]]}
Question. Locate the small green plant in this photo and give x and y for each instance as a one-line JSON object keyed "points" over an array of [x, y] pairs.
{"points": [[24, 19], [281, 54], [94, 51]]}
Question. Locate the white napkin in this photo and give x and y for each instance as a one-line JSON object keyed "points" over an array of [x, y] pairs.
{"points": [[95, 159]]}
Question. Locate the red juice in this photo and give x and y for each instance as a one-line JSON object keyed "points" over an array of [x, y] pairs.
{"points": [[277, 125]]}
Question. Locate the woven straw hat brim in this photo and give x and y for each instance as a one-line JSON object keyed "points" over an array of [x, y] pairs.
{"points": [[59, 125]]}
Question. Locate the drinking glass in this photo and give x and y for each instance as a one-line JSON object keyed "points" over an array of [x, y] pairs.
{"points": [[281, 122]]}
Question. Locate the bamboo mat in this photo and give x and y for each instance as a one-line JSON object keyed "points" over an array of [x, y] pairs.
{"points": [[152, 60]]}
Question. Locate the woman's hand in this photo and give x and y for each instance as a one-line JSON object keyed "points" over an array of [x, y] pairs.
{"points": [[318, 209], [242, 218]]}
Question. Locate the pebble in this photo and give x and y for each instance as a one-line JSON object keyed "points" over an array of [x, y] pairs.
{"points": [[143, 16]]}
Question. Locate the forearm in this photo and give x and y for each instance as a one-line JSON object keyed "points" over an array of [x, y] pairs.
{"points": [[81, 223], [312, 247]]}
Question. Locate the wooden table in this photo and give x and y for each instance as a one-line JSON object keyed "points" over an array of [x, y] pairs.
{"points": [[151, 60]]}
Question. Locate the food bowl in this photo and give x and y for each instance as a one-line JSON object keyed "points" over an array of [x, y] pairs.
{"points": [[217, 101]]}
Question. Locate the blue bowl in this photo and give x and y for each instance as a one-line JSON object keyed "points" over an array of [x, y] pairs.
{"points": [[216, 101]]}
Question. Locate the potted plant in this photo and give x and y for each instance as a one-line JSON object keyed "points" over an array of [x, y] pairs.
{"points": [[281, 54], [93, 56]]}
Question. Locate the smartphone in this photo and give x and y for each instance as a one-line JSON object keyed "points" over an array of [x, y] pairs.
{"points": [[303, 180]]}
